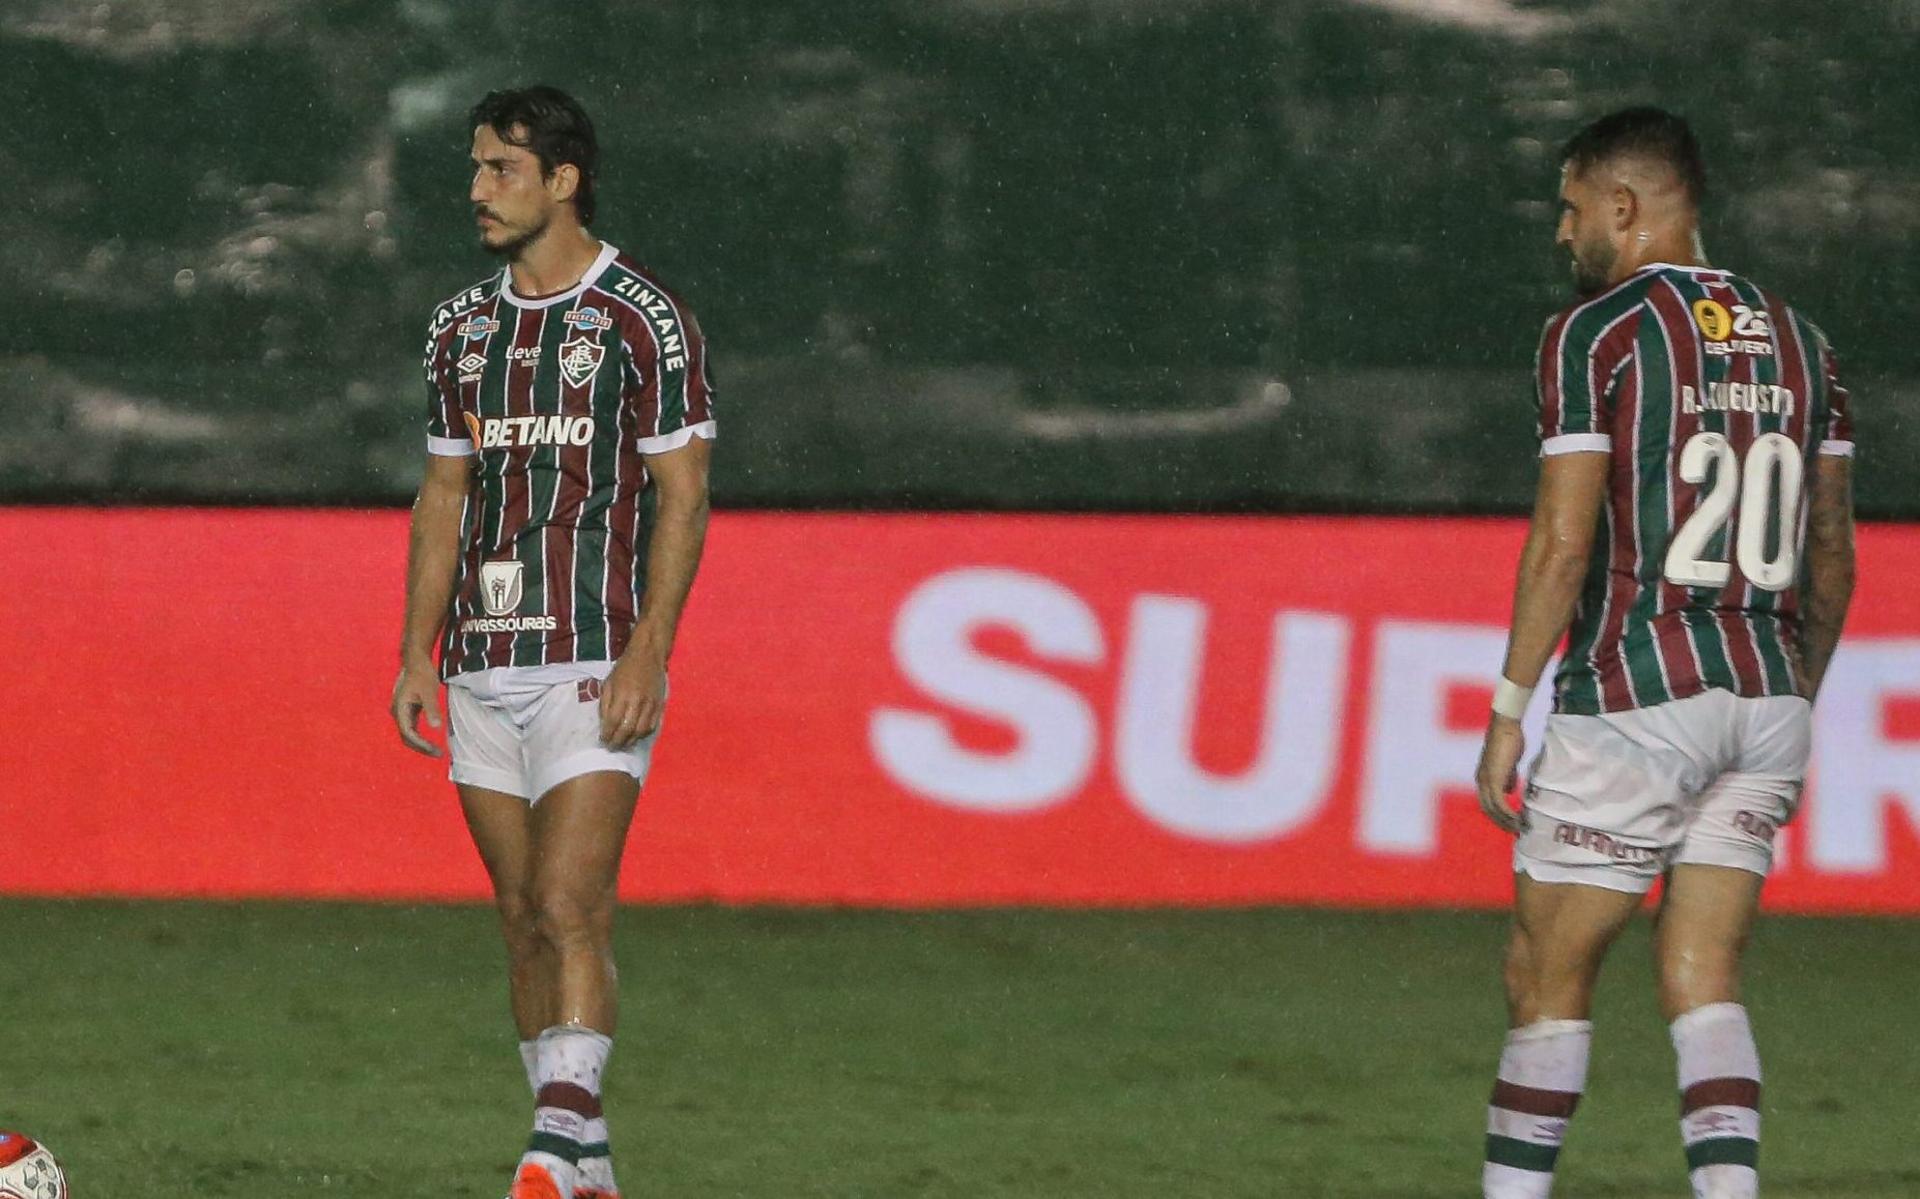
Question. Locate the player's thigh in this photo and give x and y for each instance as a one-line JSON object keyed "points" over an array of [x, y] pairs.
{"points": [[1706, 917], [1709, 907], [579, 831], [502, 830], [1562, 927], [1605, 803]]}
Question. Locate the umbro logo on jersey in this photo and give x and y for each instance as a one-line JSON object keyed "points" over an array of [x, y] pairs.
{"points": [[580, 358], [471, 367], [478, 327], [508, 432]]}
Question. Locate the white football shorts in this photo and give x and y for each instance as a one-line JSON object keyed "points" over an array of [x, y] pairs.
{"points": [[524, 730], [1614, 800]]}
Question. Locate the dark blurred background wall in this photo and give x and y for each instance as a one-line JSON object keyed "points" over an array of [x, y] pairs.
{"points": [[1191, 254]]}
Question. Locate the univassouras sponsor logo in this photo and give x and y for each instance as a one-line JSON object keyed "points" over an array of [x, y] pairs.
{"points": [[502, 586], [508, 624]]}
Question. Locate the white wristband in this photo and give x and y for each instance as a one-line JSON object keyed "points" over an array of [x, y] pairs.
{"points": [[1510, 699]]}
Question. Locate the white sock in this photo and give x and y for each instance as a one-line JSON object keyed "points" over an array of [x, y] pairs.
{"points": [[596, 1169], [1543, 1071], [569, 1060], [1719, 1100], [530, 1058]]}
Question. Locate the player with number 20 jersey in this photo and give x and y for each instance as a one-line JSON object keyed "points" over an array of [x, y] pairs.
{"points": [[1692, 541]]}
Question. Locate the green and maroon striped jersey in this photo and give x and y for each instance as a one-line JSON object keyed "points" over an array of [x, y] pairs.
{"points": [[559, 399], [1712, 397]]}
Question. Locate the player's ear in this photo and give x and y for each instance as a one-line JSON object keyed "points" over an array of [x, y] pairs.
{"points": [[1625, 208], [564, 182]]}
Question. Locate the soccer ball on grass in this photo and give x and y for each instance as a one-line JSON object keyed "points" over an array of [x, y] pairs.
{"points": [[27, 1170]]}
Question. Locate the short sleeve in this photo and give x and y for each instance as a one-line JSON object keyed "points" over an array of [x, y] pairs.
{"points": [[1836, 433], [446, 432], [1572, 385], [678, 407]]}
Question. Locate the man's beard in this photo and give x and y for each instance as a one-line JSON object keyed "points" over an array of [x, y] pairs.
{"points": [[513, 247], [1592, 271]]}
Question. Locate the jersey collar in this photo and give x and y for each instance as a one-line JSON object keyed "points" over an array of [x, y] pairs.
{"points": [[608, 252], [1674, 266]]}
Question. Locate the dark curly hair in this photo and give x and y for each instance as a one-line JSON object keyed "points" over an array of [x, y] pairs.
{"points": [[550, 123]]}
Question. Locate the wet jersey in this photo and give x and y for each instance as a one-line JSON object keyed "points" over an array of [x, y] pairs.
{"points": [[1713, 397], [559, 400]]}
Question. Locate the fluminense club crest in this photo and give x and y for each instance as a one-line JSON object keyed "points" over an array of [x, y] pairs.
{"points": [[501, 586], [580, 358]]}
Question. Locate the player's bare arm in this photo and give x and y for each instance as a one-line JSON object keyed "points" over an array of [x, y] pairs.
{"points": [[1829, 564], [1552, 566], [433, 556], [634, 696]]}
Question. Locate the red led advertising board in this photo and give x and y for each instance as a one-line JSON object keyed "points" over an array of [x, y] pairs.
{"points": [[898, 709]]}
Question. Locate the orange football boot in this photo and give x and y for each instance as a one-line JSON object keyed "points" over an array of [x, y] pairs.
{"points": [[533, 1182]]}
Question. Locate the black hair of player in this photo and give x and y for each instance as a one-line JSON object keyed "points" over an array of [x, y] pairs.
{"points": [[1650, 132], [553, 126]]}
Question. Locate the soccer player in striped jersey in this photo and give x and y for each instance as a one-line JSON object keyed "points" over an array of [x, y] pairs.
{"points": [[556, 536], [1692, 539]]}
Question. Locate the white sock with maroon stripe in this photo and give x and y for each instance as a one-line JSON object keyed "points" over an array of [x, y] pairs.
{"points": [[570, 1059], [1719, 1100], [596, 1156], [1543, 1070]]}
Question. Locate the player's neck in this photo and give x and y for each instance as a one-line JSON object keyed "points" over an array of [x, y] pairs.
{"points": [[553, 263], [1679, 248]]}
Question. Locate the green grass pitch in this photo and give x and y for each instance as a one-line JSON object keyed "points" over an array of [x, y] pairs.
{"points": [[278, 1050]]}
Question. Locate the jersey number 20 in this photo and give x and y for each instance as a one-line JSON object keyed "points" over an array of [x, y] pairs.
{"points": [[1769, 497]]}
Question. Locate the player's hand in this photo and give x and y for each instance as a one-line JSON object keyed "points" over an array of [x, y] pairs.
{"points": [[634, 697], [416, 693], [1499, 770]]}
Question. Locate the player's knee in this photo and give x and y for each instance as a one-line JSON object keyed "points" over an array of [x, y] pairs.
{"points": [[519, 920], [1517, 974], [1551, 982], [1692, 976], [572, 916]]}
